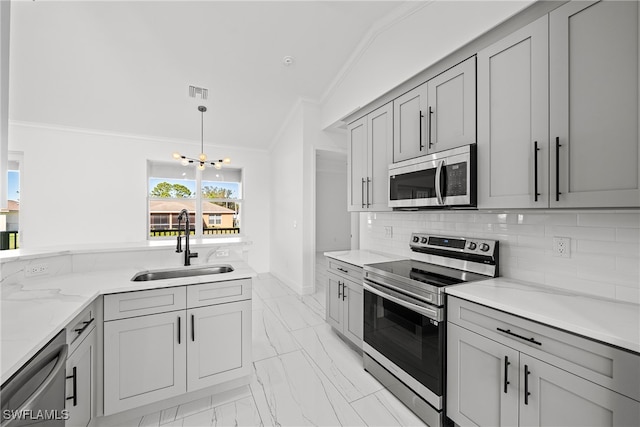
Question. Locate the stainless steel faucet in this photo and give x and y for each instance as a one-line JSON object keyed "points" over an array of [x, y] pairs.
{"points": [[184, 214]]}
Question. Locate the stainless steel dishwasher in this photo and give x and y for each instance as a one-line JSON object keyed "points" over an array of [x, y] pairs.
{"points": [[35, 395]]}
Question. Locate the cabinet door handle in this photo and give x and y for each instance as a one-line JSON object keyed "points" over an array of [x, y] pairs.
{"points": [[508, 332], [179, 329], [429, 130], [420, 117], [526, 384], [344, 293], [506, 373], [84, 327], [558, 168], [193, 328], [339, 293], [362, 190], [368, 191], [75, 387], [535, 171]]}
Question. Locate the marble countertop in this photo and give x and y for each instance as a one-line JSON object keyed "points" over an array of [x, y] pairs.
{"points": [[362, 257], [609, 321], [160, 244], [34, 311]]}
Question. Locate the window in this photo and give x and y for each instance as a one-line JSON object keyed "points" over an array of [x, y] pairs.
{"points": [[10, 220], [212, 195]]}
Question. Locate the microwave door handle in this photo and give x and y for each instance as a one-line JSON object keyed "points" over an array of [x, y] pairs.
{"points": [[438, 182]]}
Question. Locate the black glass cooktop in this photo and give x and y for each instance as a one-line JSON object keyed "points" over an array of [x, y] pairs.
{"points": [[432, 274]]}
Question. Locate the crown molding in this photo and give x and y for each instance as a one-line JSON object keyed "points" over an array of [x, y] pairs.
{"points": [[135, 137]]}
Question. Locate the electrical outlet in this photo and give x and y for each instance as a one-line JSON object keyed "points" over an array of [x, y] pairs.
{"points": [[562, 247], [36, 270], [388, 231], [222, 252]]}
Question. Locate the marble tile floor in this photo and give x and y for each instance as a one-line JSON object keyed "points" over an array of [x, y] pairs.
{"points": [[304, 374]]}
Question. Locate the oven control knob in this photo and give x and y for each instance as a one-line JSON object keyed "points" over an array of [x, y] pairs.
{"points": [[472, 246], [423, 240], [484, 247], [416, 239]]}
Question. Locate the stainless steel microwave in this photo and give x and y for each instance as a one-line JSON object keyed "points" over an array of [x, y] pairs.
{"points": [[446, 179]]}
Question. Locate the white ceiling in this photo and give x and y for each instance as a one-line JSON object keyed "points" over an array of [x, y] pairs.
{"points": [[125, 67]]}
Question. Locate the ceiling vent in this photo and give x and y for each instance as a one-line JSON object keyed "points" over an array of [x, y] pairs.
{"points": [[195, 92]]}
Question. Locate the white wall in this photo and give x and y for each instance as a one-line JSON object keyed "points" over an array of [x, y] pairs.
{"points": [[80, 187], [286, 209], [605, 245], [406, 44]]}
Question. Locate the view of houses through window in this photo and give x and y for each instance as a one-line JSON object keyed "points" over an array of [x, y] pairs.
{"points": [[10, 218], [212, 196]]}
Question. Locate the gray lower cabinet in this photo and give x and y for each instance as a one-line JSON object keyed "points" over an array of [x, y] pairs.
{"points": [[151, 353], [497, 378], [345, 300], [80, 387], [81, 382]]}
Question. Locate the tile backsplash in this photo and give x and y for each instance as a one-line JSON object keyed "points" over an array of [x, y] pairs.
{"points": [[605, 246]]}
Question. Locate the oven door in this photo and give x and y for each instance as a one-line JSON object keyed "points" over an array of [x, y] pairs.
{"points": [[407, 337], [442, 179]]}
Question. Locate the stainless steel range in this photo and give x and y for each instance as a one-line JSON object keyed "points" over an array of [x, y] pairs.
{"points": [[404, 316]]}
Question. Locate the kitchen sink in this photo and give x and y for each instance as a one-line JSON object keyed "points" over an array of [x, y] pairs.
{"points": [[144, 276]]}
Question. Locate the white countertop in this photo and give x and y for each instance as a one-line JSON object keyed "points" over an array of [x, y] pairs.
{"points": [[160, 244], [609, 321], [362, 257], [34, 311]]}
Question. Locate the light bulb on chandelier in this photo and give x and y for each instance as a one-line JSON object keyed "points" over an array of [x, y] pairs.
{"points": [[202, 158]]}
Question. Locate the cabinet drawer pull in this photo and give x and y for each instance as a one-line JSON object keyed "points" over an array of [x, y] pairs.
{"points": [[75, 387], [526, 384], [535, 171], [558, 193], [508, 332], [342, 269], [86, 324], [506, 373], [193, 328]]}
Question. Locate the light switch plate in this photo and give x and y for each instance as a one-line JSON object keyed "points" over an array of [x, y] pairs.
{"points": [[388, 231]]}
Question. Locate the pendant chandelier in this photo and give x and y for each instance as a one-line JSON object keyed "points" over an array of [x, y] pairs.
{"points": [[202, 158]]}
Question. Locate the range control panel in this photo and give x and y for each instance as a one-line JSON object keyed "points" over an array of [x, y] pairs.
{"points": [[453, 244]]}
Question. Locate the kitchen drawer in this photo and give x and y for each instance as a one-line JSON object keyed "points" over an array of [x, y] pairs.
{"points": [[141, 303], [613, 368], [218, 292], [81, 326], [345, 270]]}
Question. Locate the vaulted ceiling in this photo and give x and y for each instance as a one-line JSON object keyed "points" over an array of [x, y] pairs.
{"points": [[125, 67]]}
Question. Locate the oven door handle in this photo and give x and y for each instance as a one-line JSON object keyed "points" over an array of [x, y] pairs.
{"points": [[401, 300], [438, 182]]}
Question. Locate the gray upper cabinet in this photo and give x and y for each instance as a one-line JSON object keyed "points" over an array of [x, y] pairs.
{"points": [[370, 142], [513, 120], [451, 107], [437, 115], [409, 127], [593, 120], [558, 111]]}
